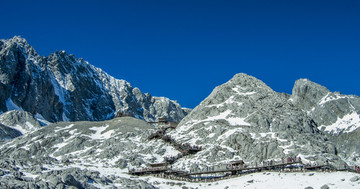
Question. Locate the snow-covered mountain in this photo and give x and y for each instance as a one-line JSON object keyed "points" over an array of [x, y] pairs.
{"points": [[61, 87], [241, 119], [245, 119]]}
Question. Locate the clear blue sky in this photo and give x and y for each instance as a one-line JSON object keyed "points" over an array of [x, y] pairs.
{"points": [[182, 49]]}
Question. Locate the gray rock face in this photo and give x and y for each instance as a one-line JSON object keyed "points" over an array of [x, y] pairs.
{"points": [[8, 133], [336, 114], [61, 87], [333, 112], [15, 123], [246, 119], [307, 94], [20, 120]]}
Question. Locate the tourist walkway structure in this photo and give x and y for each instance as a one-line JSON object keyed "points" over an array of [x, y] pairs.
{"points": [[210, 174], [162, 170]]}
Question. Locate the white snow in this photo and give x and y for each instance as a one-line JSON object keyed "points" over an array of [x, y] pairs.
{"points": [[248, 93], [64, 117], [232, 120], [294, 180], [59, 90], [238, 121], [222, 115], [98, 133], [347, 124], [263, 135], [171, 151], [10, 105], [286, 148], [330, 97], [64, 128], [286, 180], [24, 131], [41, 119], [229, 133], [230, 100], [30, 175], [299, 180]]}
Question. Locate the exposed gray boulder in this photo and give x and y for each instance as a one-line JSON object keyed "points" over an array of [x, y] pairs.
{"points": [[70, 181], [354, 179], [324, 187]]}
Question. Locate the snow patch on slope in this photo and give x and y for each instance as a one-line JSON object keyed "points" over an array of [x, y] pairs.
{"points": [[224, 116], [42, 120], [30, 127], [10, 105], [331, 97], [238, 89], [346, 124], [99, 133]]}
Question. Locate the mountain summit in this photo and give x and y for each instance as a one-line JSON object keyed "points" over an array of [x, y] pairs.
{"points": [[61, 87], [245, 119]]}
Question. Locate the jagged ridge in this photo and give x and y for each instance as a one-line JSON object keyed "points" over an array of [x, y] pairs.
{"points": [[61, 87]]}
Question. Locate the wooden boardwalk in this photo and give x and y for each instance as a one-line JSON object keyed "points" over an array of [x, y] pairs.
{"points": [[239, 170], [214, 175]]}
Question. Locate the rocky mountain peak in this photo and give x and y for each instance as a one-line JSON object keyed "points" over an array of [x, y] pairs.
{"points": [[61, 87], [244, 118], [238, 88], [247, 82], [307, 93], [17, 43]]}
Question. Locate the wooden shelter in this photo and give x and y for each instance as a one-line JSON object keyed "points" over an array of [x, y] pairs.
{"points": [[162, 120], [159, 165], [237, 164]]}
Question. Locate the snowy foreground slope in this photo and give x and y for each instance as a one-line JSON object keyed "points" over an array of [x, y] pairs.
{"points": [[339, 180]]}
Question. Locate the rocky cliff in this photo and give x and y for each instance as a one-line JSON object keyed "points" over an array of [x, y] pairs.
{"points": [[61, 87], [245, 119], [335, 114]]}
